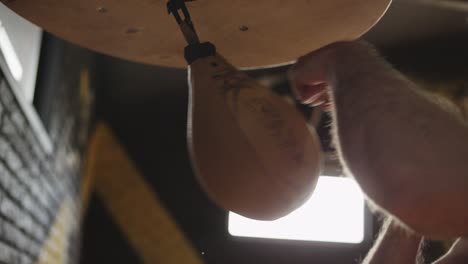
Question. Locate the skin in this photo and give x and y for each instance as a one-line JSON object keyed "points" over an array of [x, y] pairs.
{"points": [[395, 245], [458, 254], [406, 150]]}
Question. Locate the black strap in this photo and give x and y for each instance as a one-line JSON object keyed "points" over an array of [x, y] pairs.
{"points": [[200, 50]]}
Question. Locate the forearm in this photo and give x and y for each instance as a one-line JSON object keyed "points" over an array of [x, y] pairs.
{"points": [[394, 245], [399, 145], [458, 254]]}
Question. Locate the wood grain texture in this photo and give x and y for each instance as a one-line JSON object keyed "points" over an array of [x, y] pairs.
{"points": [[247, 33]]}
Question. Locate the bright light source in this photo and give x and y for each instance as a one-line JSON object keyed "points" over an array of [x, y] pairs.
{"points": [[10, 55], [334, 213]]}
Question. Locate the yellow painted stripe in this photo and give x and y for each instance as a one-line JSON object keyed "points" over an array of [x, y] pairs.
{"points": [[86, 184], [55, 248], [85, 102], [134, 206]]}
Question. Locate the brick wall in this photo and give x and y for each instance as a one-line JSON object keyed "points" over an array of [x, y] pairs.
{"points": [[34, 182]]}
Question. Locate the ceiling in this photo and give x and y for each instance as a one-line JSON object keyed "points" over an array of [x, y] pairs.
{"points": [[408, 21]]}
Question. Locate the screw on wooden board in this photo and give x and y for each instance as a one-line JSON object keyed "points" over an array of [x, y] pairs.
{"points": [[132, 30], [243, 28], [101, 9]]}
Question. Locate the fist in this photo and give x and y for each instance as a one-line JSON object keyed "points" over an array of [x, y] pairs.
{"points": [[316, 73]]}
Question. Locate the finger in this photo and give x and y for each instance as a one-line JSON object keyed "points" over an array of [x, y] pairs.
{"points": [[307, 79], [327, 107], [310, 92], [323, 101]]}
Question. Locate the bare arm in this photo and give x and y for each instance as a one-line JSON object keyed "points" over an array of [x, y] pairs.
{"points": [[407, 153], [458, 254], [394, 245]]}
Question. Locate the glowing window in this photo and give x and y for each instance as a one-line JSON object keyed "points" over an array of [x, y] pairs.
{"points": [[334, 213]]}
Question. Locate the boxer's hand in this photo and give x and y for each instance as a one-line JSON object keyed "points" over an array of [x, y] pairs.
{"points": [[313, 74]]}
